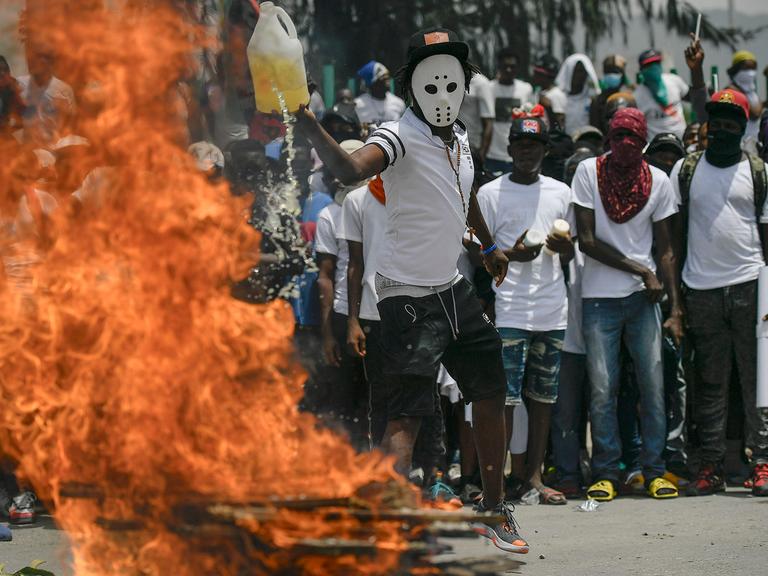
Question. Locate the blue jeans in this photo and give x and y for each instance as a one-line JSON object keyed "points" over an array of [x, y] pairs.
{"points": [[638, 322]]}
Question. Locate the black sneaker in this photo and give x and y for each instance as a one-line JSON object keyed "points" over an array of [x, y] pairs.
{"points": [[707, 482], [504, 534]]}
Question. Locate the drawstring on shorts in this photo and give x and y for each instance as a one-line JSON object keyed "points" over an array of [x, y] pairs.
{"points": [[455, 324]]}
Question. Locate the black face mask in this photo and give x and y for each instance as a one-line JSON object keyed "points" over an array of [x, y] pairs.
{"points": [[723, 148]]}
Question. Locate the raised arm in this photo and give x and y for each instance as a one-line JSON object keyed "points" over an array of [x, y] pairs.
{"points": [[348, 168], [694, 58]]}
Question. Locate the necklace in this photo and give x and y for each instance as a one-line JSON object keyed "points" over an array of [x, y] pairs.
{"points": [[457, 172]]}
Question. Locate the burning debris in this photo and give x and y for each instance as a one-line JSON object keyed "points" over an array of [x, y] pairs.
{"points": [[154, 414]]}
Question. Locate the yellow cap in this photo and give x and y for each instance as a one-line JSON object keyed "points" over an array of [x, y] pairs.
{"points": [[742, 56]]}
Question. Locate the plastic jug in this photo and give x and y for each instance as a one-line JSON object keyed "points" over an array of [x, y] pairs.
{"points": [[276, 57]]}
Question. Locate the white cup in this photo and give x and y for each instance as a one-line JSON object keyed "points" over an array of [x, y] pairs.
{"points": [[560, 228]]}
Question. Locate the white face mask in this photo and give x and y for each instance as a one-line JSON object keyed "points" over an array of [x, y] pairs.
{"points": [[746, 80], [438, 84]]}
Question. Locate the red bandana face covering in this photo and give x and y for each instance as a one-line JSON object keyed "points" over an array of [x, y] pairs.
{"points": [[623, 177]]}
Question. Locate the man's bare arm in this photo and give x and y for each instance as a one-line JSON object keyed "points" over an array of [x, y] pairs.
{"points": [[348, 168]]}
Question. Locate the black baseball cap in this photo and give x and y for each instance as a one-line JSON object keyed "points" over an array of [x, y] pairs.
{"points": [[436, 40], [547, 64], [649, 57], [529, 127], [665, 140]]}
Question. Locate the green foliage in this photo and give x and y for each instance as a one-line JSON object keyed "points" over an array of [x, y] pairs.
{"points": [[348, 33], [32, 570]]}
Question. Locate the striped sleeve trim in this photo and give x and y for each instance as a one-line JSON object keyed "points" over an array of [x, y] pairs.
{"points": [[386, 144], [399, 141]]}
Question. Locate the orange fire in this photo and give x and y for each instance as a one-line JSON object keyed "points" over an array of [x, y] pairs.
{"points": [[125, 366]]}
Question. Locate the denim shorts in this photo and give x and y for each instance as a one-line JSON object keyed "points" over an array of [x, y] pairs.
{"points": [[532, 363]]}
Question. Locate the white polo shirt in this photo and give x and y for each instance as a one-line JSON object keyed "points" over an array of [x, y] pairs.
{"points": [[328, 242], [533, 294], [425, 216], [364, 220], [633, 238]]}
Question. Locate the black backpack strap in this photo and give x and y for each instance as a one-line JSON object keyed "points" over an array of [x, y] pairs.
{"points": [[684, 179], [685, 176], [760, 185]]}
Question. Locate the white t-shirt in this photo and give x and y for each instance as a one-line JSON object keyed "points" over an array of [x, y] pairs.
{"points": [[504, 99], [371, 110], [669, 119], [574, 334], [47, 108], [328, 242], [633, 238], [723, 240], [426, 218], [577, 110], [557, 98], [533, 295], [364, 220], [472, 109]]}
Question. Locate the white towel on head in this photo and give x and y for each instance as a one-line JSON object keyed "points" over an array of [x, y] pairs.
{"points": [[565, 75]]}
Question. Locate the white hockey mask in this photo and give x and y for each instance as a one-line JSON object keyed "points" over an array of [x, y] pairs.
{"points": [[438, 84]]}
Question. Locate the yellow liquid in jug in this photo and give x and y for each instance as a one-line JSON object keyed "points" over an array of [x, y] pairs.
{"points": [[288, 78]]}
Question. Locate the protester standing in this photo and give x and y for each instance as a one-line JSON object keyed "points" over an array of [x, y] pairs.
{"points": [[722, 192], [531, 305], [623, 207], [364, 220], [614, 81], [660, 96], [551, 96], [378, 105], [743, 75], [507, 93], [429, 313], [577, 77], [49, 102]]}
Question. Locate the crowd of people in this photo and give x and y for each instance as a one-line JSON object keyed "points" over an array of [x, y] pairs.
{"points": [[527, 291], [632, 217]]}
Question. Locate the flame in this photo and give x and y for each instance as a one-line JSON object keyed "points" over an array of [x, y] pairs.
{"points": [[125, 366]]}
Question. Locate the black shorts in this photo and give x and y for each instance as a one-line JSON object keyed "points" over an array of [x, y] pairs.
{"points": [[418, 335]]}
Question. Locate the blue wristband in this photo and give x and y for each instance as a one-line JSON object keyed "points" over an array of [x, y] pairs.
{"points": [[490, 249]]}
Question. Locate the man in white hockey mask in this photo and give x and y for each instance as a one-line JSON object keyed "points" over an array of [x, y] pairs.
{"points": [[429, 312]]}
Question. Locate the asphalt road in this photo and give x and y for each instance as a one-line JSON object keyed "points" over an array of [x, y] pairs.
{"points": [[723, 535]]}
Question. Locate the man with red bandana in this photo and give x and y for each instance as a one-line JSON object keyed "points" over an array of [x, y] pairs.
{"points": [[624, 207]]}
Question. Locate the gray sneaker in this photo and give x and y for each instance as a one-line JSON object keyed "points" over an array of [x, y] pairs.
{"points": [[504, 534]]}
